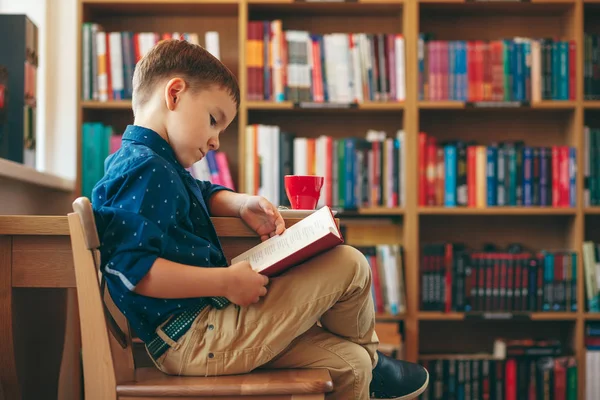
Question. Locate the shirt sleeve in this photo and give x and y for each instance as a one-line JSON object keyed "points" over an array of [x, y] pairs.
{"points": [[208, 189], [133, 214]]}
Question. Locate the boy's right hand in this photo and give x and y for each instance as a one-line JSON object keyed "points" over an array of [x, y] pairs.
{"points": [[245, 286]]}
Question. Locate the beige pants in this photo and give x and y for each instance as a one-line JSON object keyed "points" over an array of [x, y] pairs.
{"points": [[281, 330]]}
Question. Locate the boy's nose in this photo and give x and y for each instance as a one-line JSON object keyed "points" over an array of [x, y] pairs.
{"points": [[213, 144]]}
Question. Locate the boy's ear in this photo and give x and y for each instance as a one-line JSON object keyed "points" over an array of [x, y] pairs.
{"points": [[173, 90]]}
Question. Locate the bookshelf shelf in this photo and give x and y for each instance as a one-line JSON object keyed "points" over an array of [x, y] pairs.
{"points": [[459, 316], [591, 104], [389, 317], [287, 105], [592, 316], [592, 210], [370, 7], [496, 211], [107, 105], [160, 7], [500, 106], [383, 211]]}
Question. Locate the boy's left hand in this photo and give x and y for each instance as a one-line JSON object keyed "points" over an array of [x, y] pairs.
{"points": [[262, 216]]}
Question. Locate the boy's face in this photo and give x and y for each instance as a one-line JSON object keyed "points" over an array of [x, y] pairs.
{"points": [[196, 120]]}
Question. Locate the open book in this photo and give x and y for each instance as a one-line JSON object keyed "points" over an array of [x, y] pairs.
{"points": [[311, 236]]}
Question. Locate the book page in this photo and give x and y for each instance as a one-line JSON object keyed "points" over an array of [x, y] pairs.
{"points": [[296, 237]]}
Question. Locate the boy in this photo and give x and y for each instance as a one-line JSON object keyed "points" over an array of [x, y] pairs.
{"points": [[166, 271]]}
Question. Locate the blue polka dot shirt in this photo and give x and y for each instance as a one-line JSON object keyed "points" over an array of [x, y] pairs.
{"points": [[147, 206]]}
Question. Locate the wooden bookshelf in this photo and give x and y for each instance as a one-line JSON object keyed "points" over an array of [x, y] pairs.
{"points": [[540, 124]]}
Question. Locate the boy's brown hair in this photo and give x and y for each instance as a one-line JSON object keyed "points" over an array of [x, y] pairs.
{"points": [[192, 62]]}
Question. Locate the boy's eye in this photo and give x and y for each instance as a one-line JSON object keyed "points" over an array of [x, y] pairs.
{"points": [[212, 120]]}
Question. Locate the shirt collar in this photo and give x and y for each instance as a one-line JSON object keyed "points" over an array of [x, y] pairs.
{"points": [[152, 140]]}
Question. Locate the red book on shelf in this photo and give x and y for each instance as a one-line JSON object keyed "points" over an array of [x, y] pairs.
{"points": [[307, 238]]}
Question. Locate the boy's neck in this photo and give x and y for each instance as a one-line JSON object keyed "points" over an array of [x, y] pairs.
{"points": [[151, 120]]}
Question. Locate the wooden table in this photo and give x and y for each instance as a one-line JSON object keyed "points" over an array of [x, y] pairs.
{"points": [[39, 325]]}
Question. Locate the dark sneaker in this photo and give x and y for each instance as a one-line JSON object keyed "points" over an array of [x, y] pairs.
{"points": [[396, 379]]}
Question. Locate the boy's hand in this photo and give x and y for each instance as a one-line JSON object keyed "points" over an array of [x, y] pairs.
{"points": [[262, 216], [246, 286]]}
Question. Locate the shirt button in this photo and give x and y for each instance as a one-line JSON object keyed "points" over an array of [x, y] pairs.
{"points": [[211, 327], [210, 355]]}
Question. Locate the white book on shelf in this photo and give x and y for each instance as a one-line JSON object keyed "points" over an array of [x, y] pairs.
{"points": [[400, 68], [211, 41], [116, 65], [300, 150], [102, 75]]}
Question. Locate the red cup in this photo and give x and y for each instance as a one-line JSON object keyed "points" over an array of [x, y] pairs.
{"points": [[303, 191]]}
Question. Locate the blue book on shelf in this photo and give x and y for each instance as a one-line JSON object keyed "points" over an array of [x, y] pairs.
{"points": [[501, 176], [512, 175], [350, 145], [464, 85], [527, 70], [527, 176], [574, 281], [548, 299], [450, 166], [555, 71], [572, 176], [564, 71], [491, 174], [518, 63]]}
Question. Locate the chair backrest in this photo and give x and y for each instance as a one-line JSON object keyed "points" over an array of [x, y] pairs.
{"points": [[106, 341]]}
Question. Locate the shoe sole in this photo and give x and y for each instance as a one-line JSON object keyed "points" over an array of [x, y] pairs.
{"points": [[414, 394]]}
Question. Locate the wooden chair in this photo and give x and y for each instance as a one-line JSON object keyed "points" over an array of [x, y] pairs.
{"points": [[108, 362]]}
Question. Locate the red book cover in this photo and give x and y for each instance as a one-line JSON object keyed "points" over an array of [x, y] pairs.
{"points": [[444, 54], [449, 259], [376, 284], [422, 164], [471, 176], [503, 282], [108, 71], [510, 282], [307, 238], [329, 172], [572, 69], [471, 71], [560, 379], [479, 70], [518, 283], [555, 175], [564, 176], [510, 379], [525, 283], [431, 167]]}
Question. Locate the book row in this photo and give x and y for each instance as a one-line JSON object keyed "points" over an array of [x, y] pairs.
{"points": [[388, 284], [455, 278], [358, 172], [591, 166], [301, 66], [591, 67], [592, 360], [591, 268], [517, 69], [468, 174], [100, 140], [109, 58], [523, 377]]}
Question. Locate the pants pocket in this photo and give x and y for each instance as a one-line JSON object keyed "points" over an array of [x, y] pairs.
{"points": [[233, 362]]}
